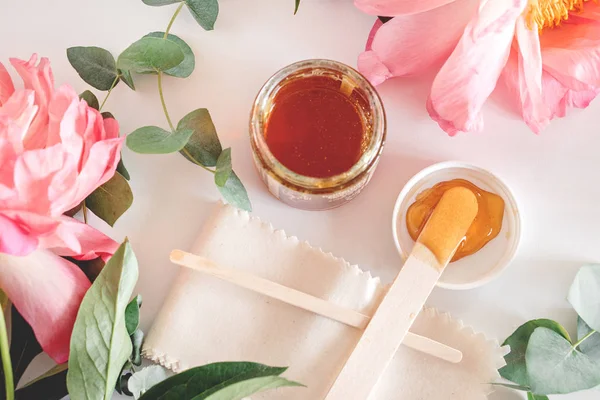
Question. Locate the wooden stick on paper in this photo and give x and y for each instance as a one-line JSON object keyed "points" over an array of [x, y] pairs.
{"points": [[390, 323], [306, 302]]}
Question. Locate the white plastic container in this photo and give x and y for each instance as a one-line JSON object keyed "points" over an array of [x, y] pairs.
{"points": [[485, 265]]}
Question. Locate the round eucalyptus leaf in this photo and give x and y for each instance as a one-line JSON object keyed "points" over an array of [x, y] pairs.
{"points": [[591, 345], [150, 54], [126, 77], [96, 66], [205, 12], [224, 169], [144, 379], [186, 67], [155, 140], [555, 367], [584, 295], [235, 193], [516, 369], [90, 98], [204, 146]]}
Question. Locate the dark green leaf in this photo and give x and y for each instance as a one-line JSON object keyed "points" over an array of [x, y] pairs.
{"points": [[110, 200], [188, 64], [591, 345], [24, 347], [94, 65], [515, 369], [205, 12], [235, 194], [555, 367], [204, 145], [57, 369], [137, 339], [150, 54], [122, 170], [107, 115], [531, 396], [132, 314], [155, 140], [91, 268], [201, 382], [241, 390], [296, 6], [126, 77], [91, 99], [100, 344], [156, 3], [74, 210], [224, 168], [50, 386], [584, 294], [122, 386]]}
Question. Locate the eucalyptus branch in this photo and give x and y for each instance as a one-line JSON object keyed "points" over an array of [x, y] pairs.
{"points": [[6, 364], [583, 339], [109, 91], [173, 18], [162, 101]]}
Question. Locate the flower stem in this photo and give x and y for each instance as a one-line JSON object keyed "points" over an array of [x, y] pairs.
{"points": [[84, 211], [108, 93], [173, 19], [6, 364], [583, 339], [162, 101]]}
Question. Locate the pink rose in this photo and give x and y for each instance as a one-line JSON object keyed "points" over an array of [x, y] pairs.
{"points": [[54, 151]]}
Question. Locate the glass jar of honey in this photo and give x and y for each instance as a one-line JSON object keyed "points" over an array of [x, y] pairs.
{"points": [[317, 130]]}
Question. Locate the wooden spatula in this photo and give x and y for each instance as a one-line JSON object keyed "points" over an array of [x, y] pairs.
{"points": [[434, 249]]}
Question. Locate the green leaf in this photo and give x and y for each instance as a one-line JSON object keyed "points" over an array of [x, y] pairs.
{"points": [[122, 386], [50, 386], [122, 170], [241, 390], [51, 372], [555, 367], [100, 344], [132, 314], [156, 3], [235, 193], [137, 339], [201, 382], [584, 295], [531, 396], [150, 54], [144, 379], [591, 345], [126, 77], [204, 145], [512, 386], [107, 115], [205, 12], [91, 99], [186, 67], [110, 200], [94, 65], [155, 140], [515, 369], [296, 6], [224, 168]]}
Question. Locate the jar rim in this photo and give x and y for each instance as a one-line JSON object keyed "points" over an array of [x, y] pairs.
{"points": [[280, 171]]}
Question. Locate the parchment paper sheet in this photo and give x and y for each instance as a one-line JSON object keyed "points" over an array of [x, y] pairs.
{"points": [[206, 320]]}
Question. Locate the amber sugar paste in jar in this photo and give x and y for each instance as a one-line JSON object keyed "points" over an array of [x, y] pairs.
{"points": [[317, 129], [486, 226]]}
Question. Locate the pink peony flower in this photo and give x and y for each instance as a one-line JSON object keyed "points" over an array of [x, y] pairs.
{"points": [[54, 151], [546, 51]]}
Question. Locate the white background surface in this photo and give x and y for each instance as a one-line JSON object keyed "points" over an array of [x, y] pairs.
{"points": [[555, 175]]}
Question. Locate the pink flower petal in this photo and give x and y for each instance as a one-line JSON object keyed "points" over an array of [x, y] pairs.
{"points": [[38, 78], [47, 290], [535, 112], [389, 8], [470, 75], [14, 239], [6, 85], [75, 239], [408, 45], [571, 53], [17, 115]]}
